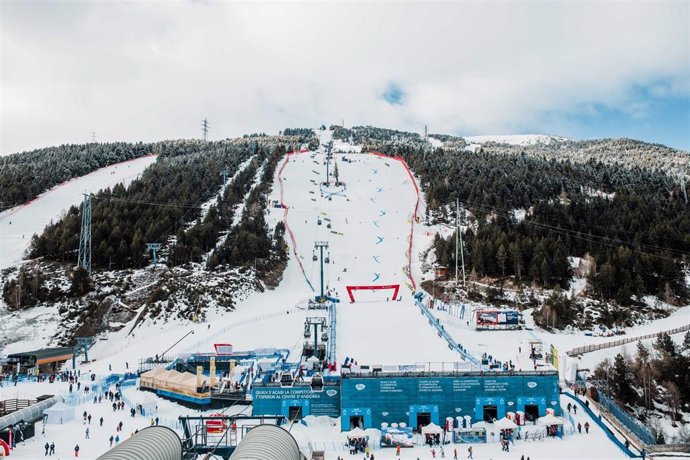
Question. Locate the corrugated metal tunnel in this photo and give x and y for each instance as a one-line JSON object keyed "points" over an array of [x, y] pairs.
{"points": [[151, 443], [29, 414], [267, 442]]}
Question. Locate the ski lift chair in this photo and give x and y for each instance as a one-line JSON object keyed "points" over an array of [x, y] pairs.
{"points": [[286, 379], [317, 382]]}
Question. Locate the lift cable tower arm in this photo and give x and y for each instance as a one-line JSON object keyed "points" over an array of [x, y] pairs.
{"points": [[154, 248]]}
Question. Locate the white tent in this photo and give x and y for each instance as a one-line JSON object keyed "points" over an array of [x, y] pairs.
{"points": [[432, 428], [356, 433], [549, 420], [505, 424], [181, 381], [59, 413]]}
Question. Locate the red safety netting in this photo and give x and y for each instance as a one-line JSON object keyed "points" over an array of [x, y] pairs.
{"points": [[285, 212]]}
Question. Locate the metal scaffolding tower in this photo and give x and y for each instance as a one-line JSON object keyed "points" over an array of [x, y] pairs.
{"points": [[460, 248], [332, 327], [204, 127], [84, 259], [329, 157], [83, 345], [316, 322], [321, 245]]}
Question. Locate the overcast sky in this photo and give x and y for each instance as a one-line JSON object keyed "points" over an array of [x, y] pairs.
{"points": [[152, 70]]}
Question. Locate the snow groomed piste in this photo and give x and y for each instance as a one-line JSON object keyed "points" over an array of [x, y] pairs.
{"points": [[376, 358], [396, 365], [384, 341], [362, 257]]}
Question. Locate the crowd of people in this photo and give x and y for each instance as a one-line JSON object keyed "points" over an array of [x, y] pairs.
{"points": [[358, 446], [95, 425], [11, 377]]}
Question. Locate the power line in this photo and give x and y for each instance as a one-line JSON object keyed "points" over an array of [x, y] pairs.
{"points": [[595, 239], [489, 209], [148, 203], [603, 240]]}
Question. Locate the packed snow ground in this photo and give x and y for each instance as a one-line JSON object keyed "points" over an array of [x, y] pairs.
{"points": [[17, 225], [372, 330], [321, 433], [369, 218]]}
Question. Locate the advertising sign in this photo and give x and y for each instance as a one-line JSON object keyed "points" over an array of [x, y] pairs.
{"points": [[269, 400], [497, 317], [399, 436]]}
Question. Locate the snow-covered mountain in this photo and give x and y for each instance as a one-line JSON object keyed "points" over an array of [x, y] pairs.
{"points": [[515, 139]]}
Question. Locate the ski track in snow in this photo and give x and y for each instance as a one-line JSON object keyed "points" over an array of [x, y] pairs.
{"points": [[372, 330], [32, 217], [18, 224]]}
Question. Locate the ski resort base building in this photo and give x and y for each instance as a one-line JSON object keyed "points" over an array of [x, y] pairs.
{"points": [[367, 400]]}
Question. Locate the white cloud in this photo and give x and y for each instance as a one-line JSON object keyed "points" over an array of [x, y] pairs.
{"points": [[152, 70]]}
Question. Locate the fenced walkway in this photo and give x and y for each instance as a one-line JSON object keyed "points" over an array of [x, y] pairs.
{"points": [[616, 343], [452, 344]]}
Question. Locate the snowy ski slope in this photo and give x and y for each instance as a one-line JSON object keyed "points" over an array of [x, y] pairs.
{"points": [[17, 225], [515, 139], [370, 220], [374, 216]]}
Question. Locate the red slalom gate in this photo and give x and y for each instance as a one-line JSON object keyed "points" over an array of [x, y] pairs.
{"points": [[395, 287]]}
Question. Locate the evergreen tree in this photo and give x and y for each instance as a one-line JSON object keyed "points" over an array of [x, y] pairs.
{"points": [[665, 345], [502, 257], [620, 380], [81, 282]]}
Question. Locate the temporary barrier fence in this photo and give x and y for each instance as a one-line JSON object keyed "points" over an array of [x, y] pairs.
{"points": [[332, 327], [617, 343], [607, 431], [630, 424], [374, 444], [452, 344]]}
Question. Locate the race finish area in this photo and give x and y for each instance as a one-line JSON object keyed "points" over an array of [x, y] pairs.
{"points": [[369, 225]]}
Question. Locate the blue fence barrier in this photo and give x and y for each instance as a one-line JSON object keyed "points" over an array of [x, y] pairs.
{"points": [[452, 344], [626, 419], [332, 328], [603, 426]]}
